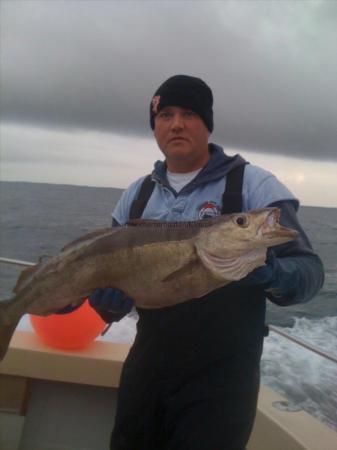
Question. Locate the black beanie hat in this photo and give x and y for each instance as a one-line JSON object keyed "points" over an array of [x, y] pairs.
{"points": [[187, 92]]}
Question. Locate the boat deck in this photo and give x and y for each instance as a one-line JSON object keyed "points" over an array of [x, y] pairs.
{"points": [[57, 400]]}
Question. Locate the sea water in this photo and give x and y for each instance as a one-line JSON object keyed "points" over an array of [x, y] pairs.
{"points": [[38, 219]]}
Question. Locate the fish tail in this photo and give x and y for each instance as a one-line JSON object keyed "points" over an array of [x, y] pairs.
{"points": [[6, 333], [4, 314], [7, 327]]}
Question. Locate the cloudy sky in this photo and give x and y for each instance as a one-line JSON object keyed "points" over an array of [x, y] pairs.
{"points": [[77, 77]]}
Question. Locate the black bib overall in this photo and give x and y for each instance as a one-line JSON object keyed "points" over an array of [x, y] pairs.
{"points": [[191, 379]]}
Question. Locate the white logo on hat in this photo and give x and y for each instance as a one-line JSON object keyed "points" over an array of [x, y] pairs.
{"points": [[155, 103]]}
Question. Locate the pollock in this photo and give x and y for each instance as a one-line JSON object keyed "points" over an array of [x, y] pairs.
{"points": [[157, 264]]}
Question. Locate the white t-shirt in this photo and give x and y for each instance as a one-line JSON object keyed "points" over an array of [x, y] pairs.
{"points": [[179, 180]]}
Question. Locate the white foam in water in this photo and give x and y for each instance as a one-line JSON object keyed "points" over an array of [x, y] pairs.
{"points": [[307, 380]]}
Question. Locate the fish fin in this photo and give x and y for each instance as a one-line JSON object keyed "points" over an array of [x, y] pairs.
{"points": [[162, 224], [23, 277], [6, 333], [89, 236], [140, 222], [184, 270], [5, 319]]}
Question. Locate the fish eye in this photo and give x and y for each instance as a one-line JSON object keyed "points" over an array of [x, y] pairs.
{"points": [[242, 221]]}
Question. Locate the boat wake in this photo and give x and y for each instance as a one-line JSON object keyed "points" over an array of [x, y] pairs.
{"points": [[307, 380]]}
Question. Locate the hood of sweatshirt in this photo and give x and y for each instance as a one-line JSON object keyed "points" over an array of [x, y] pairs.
{"points": [[218, 166]]}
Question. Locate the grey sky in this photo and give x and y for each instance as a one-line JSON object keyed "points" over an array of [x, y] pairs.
{"points": [[94, 65]]}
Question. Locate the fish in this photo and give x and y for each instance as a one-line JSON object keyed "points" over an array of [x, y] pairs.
{"points": [[157, 264]]}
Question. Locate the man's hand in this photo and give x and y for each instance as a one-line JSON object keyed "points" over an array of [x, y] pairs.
{"points": [[262, 275], [111, 304], [276, 280]]}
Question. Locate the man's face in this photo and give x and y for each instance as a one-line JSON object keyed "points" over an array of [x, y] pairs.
{"points": [[182, 136]]}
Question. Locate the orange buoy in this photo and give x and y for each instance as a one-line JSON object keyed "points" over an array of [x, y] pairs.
{"points": [[71, 331]]}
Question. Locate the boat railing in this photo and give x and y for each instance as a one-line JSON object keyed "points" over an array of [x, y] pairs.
{"points": [[273, 328], [16, 262]]}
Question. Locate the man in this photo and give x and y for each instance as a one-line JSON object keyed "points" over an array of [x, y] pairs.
{"points": [[191, 379]]}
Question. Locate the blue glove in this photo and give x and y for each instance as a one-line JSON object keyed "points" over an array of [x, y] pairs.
{"points": [[111, 304], [279, 278], [263, 275]]}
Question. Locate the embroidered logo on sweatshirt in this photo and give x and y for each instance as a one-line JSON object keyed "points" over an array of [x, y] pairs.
{"points": [[208, 210]]}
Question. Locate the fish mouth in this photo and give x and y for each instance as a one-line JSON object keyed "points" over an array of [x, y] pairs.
{"points": [[271, 227]]}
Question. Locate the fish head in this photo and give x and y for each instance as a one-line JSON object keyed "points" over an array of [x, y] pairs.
{"points": [[259, 228], [237, 243]]}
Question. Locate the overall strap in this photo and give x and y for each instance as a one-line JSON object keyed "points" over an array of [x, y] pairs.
{"points": [[232, 197], [140, 202]]}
